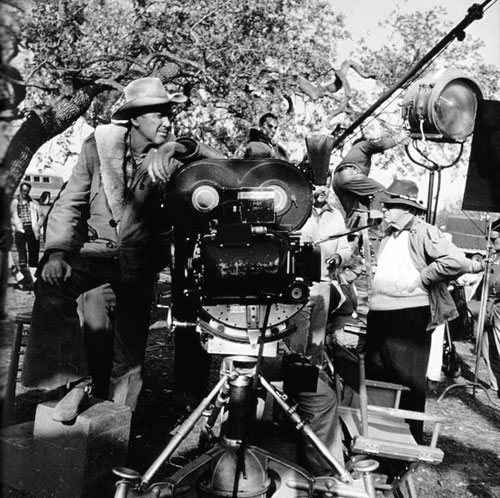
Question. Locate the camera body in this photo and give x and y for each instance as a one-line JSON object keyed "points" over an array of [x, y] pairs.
{"points": [[237, 249]]}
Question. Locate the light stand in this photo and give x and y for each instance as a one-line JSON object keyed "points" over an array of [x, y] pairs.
{"points": [[433, 168], [480, 325]]}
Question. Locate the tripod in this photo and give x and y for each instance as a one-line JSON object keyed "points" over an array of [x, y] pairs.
{"points": [[232, 467]]}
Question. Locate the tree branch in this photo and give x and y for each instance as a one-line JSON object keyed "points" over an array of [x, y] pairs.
{"points": [[179, 60], [38, 128]]}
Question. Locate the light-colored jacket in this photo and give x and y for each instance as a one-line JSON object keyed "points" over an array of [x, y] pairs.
{"points": [[37, 217], [439, 261], [329, 221]]}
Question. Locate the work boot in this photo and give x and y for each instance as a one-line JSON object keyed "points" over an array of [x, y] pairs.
{"points": [[68, 407]]}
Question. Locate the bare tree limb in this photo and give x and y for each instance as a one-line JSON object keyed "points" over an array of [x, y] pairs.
{"points": [[179, 60], [14, 3], [316, 90], [39, 127]]}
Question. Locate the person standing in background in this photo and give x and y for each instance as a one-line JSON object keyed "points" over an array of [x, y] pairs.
{"points": [[410, 295], [27, 222]]}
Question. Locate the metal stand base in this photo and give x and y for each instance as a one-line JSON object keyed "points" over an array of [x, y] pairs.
{"points": [[231, 468]]}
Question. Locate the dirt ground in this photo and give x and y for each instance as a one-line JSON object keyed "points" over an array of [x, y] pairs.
{"points": [[470, 437]]}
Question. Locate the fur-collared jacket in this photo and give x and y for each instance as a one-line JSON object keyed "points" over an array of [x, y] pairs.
{"points": [[131, 225]]}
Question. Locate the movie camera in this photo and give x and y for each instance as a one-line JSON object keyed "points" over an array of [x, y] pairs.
{"points": [[237, 253]]}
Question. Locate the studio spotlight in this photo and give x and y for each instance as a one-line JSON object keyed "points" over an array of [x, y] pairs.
{"points": [[442, 106]]}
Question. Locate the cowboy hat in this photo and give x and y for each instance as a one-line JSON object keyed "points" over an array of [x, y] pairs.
{"points": [[144, 93], [402, 192]]}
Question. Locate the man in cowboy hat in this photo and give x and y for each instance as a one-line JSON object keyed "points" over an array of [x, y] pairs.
{"points": [[410, 294], [115, 192]]}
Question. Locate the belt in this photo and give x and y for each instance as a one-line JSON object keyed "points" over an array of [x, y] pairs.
{"points": [[346, 166]]}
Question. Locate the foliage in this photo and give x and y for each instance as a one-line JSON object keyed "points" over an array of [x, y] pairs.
{"points": [[236, 60]]}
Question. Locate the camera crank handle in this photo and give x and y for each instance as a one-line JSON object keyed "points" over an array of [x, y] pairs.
{"points": [[171, 323]]}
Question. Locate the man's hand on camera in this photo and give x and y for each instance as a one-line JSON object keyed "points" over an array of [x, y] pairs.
{"points": [[162, 165], [56, 269]]}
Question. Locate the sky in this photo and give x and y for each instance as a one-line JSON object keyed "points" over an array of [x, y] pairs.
{"points": [[362, 18]]}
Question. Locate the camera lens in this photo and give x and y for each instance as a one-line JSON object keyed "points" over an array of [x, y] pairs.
{"points": [[205, 198], [280, 198]]}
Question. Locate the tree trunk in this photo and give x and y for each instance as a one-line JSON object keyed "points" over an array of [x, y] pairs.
{"points": [[38, 128]]}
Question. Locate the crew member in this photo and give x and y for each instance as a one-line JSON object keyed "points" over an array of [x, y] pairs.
{"points": [[320, 408], [491, 341], [351, 182], [409, 295], [263, 141]]}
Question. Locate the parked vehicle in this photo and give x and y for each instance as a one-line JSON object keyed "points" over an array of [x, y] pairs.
{"points": [[45, 187]]}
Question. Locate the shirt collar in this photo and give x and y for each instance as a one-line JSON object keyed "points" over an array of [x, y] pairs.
{"points": [[406, 225], [321, 210]]}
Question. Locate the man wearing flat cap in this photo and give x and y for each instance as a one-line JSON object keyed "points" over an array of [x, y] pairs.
{"points": [[410, 295], [116, 191]]}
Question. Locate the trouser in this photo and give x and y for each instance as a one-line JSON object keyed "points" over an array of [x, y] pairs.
{"points": [[96, 309], [494, 343], [27, 247], [397, 350], [320, 410], [436, 354], [354, 188], [311, 321], [56, 353]]}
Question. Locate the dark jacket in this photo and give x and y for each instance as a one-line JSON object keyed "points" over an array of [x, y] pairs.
{"points": [[360, 154], [260, 147]]}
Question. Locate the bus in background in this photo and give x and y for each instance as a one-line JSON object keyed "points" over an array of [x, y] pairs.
{"points": [[45, 187]]}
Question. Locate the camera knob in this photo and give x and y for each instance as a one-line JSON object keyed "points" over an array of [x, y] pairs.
{"points": [[298, 292]]}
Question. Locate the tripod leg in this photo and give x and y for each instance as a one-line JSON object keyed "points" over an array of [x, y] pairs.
{"points": [[344, 476], [182, 432], [411, 487]]}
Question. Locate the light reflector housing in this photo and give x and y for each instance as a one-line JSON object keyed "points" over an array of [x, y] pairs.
{"points": [[442, 107]]}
